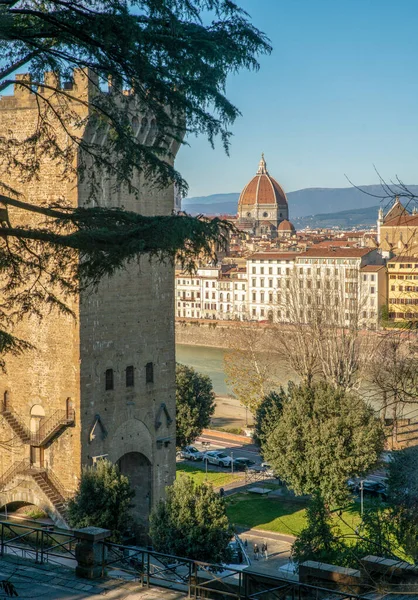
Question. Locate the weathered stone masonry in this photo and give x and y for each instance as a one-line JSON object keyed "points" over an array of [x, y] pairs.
{"points": [[124, 332]]}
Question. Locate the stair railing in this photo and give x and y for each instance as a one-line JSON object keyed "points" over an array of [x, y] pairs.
{"points": [[60, 418], [13, 470], [50, 477], [48, 426]]}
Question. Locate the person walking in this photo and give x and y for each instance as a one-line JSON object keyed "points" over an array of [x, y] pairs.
{"points": [[256, 551], [265, 550]]}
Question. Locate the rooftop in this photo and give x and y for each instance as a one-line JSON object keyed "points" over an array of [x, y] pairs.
{"points": [[335, 252], [274, 255], [372, 268]]}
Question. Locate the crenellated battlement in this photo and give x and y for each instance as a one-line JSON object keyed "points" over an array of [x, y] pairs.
{"points": [[82, 88], [79, 92]]}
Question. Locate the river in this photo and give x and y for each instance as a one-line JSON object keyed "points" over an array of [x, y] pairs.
{"points": [[210, 361]]}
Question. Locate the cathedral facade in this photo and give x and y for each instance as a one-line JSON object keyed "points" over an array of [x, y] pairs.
{"points": [[262, 206]]}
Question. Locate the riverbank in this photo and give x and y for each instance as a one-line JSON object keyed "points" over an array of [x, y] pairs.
{"points": [[216, 334]]}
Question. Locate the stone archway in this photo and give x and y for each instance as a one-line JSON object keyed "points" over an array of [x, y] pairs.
{"points": [[138, 468]]}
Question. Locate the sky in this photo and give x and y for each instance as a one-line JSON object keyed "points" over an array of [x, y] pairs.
{"points": [[337, 97]]}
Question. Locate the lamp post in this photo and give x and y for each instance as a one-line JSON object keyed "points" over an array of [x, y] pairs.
{"points": [[206, 446], [361, 498]]}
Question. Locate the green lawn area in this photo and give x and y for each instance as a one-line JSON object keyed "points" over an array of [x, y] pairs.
{"points": [[282, 515], [199, 476]]}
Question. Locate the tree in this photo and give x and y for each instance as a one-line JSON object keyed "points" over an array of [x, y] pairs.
{"points": [[321, 538], [249, 365], [318, 337], [267, 416], [103, 499], [195, 404], [323, 437], [166, 62], [392, 373], [403, 496], [191, 522]]}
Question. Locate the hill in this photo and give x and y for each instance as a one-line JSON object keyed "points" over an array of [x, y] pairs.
{"points": [[309, 201], [346, 219]]}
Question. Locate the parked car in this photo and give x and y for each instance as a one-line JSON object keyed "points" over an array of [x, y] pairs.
{"points": [[191, 453], [370, 487], [375, 488], [268, 470], [217, 457], [240, 464]]}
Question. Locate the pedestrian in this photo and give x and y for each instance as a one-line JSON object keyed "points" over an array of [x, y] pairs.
{"points": [[245, 543], [266, 555], [222, 492], [256, 551]]}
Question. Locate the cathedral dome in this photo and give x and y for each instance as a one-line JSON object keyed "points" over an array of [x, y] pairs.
{"points": [[262, 189], [286, 226]]}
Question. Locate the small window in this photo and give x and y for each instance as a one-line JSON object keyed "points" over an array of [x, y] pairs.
{"points": [[149, 372], [130, 376], [109, 379]]}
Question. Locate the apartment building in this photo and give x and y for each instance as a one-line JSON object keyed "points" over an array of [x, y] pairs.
{"points": [[339, 281], [344, 286], [403, 288], [268, 275]]}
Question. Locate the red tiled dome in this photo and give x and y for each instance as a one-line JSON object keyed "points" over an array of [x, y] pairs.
{"points": [[286, 226], [263, 189]]}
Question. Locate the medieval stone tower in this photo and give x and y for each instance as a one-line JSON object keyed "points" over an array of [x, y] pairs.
{"points": [[101, 384]]}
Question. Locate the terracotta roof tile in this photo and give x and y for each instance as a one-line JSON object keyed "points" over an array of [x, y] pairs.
{"points": [[335, 253]]}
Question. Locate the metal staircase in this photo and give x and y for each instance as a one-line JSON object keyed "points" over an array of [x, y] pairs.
{"points": [[46, 480], [48, 428]]}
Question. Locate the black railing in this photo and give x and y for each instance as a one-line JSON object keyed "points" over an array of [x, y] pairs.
{"points": [[42, 544], [195, 578], [205, 580]]}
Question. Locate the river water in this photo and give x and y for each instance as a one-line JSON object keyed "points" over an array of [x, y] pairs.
{"points": [[210, 361]]}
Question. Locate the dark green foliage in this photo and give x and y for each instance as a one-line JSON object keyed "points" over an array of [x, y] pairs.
{"points": [[403, 497], [267, 416], [378, 533], [323, 437], [321, 538], [168, 63], [192, 522], [175, 62], [102, 500], [195, 404]]}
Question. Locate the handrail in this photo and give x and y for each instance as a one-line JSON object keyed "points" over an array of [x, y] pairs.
{"points": [[13, 470], [142, 562], [46, 427], [56, 483]]}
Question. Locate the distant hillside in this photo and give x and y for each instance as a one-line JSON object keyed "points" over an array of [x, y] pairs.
{"points": [[309, 201], [345, 219]]}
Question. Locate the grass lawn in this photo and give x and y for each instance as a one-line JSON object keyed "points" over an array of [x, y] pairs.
{"points": [[199, 476], [282, 515]]}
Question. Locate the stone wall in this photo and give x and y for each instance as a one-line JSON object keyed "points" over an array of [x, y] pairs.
{"points": [[127, 321], [216, 334]]}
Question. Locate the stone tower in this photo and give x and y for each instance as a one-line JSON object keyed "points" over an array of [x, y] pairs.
{"points": [[101, 384]]}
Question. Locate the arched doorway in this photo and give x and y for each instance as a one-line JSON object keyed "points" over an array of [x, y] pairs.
{"points": [[37, 413], [137, 467]]}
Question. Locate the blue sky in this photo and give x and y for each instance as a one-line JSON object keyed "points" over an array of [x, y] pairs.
{"points": [[338, 95]]}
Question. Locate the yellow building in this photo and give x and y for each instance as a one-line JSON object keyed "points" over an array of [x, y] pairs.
{"points": [[398, 231], [403, 288]]}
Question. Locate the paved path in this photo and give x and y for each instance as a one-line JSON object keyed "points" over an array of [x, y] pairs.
{"points": [[53, 582], [278, 545]]}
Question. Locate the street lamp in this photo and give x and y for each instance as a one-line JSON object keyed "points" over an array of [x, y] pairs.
{"points": [[206, 446], [361, 497]]}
